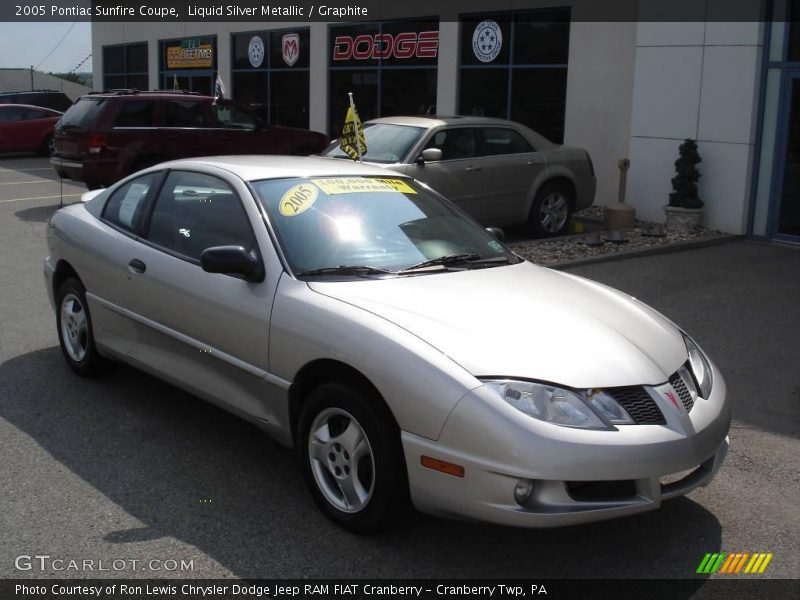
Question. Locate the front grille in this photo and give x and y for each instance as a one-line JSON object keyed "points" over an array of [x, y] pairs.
{"points": [[638, 404], [676, 381]]}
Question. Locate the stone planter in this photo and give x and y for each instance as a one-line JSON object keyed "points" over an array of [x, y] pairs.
{"points": [[683, 219]]}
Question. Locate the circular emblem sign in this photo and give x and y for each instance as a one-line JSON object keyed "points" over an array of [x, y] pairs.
{"points": [[487, 40], [255, 51]]}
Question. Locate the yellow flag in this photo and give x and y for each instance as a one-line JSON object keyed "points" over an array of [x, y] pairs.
{"points": [[349, 138]]}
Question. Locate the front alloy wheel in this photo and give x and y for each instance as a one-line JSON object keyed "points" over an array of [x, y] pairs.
{"points": [[341, 460], [351, 456]]}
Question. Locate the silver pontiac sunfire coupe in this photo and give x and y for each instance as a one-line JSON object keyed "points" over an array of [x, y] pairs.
{"points": [[403, 349]]}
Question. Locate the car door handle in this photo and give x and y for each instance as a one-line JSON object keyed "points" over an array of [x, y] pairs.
{"points": [[137, 265], [531, 163], [471, 168]]}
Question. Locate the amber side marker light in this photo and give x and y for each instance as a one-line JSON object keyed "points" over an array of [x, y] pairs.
{"points": [[442, 466]]}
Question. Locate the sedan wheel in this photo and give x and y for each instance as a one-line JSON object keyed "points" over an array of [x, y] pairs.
{"points": [[341, 459], [352, 459], [74, 327], [551, 210], [75, 330]]}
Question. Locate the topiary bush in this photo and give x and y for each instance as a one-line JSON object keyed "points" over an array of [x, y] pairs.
{"points": [[684, 183]]}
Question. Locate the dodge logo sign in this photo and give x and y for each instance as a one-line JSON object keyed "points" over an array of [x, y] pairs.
{"points": [[424, 44], [291, 48]]}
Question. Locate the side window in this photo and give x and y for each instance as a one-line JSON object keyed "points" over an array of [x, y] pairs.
{"points": [[125, 206], [502, 140], [194, 211], [135, 114], [11, 113], [186, 114], [232, 117], [454, 143]]}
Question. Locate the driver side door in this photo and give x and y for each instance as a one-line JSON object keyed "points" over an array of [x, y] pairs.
{"points": [[207, 331]]}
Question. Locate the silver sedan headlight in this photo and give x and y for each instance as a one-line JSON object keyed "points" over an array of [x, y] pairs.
{"points": [[701, 369], [586, 409]]}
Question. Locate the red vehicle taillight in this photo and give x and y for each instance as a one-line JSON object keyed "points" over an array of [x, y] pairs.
{"points": [[97, 141]]}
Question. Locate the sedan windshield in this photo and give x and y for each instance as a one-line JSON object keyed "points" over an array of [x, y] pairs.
{"points": [[370, 226], [385, 143]]}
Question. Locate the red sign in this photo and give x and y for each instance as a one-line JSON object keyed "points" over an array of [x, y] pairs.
{"points": [[424, 44]]}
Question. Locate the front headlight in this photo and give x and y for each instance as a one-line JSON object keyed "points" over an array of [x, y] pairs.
{"points": [[560, 406], [701, 369]]}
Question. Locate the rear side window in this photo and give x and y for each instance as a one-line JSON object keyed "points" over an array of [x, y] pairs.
{"points": [[11, 113], [186, 114], [136, 114], [83, 113], [126, 205], [196, 211], [501, 140]]}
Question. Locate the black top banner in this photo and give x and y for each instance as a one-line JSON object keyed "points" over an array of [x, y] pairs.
{"points": [[369, 10]]}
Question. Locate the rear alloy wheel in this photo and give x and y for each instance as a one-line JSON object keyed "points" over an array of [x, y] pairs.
{"points": [[75, 330], [551, 210], [351, 457]]}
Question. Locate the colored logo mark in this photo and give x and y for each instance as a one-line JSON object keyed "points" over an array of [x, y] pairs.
{"points": [[734, 562]]}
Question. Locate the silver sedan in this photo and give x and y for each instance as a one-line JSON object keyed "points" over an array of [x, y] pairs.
{"points": [[500, 172], [408, 354]]}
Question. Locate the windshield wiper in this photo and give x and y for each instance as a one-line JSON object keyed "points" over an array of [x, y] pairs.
{"points": [[348, 270], [445, 261]]}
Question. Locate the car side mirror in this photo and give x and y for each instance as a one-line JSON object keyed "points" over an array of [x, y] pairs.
{"points": [[430, 155], [496, 233], [232, 260]]}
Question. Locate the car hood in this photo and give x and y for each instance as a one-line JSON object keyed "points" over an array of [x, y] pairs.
{"points": [[526, 321]]}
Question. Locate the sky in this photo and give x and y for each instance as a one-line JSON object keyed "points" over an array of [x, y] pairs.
{"points": [[26, 44]]}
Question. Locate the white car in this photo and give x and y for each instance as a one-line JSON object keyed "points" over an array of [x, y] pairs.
{"points": [[407, 354]]}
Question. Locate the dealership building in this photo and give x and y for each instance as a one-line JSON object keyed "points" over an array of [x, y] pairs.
{"points": [[626, 88]]}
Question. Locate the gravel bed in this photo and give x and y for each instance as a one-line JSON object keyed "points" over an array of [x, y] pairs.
{"points": [[568, 248]]}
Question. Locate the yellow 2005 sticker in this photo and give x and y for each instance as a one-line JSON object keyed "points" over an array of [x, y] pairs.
{"points": [[297, 199], [349, 185]]}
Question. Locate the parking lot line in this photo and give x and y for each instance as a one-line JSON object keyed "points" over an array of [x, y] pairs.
{"points": [[40, 198], [20, 182], [25, 169]]}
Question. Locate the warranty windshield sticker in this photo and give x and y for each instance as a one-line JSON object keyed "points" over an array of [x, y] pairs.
{"points": [[349, 185], [297, 199]]}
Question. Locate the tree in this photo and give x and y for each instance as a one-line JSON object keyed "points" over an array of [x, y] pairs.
{"points": [[684, 183]]}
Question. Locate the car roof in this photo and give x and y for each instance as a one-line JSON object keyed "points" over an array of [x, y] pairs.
{"points": [[147, 93], [254, 167], [33, 107], [436, 121]]}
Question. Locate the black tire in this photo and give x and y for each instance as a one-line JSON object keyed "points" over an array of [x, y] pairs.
{"points": [[93, 185], [551, 209], [47, 146], [75, 336], [377, 474], [143, 163]]}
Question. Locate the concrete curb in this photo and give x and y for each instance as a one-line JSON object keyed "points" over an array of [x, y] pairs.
{"points": [[649, 250]]}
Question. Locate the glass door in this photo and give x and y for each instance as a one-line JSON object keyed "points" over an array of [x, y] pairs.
{"points": [[787, 213]]}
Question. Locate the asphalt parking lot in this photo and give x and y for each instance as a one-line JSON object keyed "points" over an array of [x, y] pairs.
{"points": [[127, 467]]}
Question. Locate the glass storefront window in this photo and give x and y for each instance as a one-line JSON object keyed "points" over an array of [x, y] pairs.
{"points": [[271, 74], [125, 66], [514, 66], [390, 67]]}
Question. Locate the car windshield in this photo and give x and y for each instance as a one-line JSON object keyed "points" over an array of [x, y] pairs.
{"points": [[385, 143], [365, 226]]}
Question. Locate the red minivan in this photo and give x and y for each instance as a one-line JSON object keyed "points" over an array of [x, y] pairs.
{"points": [[104, 137]]}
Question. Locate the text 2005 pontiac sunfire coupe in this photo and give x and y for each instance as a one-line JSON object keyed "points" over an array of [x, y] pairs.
{"points": [[407, 354]]}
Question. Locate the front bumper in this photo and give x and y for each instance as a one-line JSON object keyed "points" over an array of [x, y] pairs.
{"points": [[624, 471]]}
